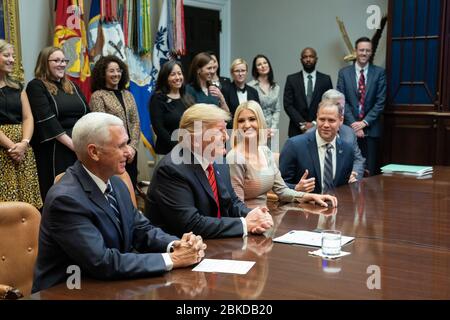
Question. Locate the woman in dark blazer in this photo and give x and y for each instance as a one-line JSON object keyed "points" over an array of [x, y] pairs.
{"points": [[57, 104], [238, 91], [109, 94], [168, 104]]}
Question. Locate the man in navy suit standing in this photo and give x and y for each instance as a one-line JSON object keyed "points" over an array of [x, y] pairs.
{"points": [[303, 92], [191, 187], [364, 87], [89, 220], [327, 158]]}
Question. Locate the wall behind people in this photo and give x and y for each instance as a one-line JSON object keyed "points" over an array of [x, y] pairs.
{"points": [[281, 29], [37, 25]]}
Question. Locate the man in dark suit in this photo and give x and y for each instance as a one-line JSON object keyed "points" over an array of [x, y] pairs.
{"points": [[303, 92], [364, 87], [326, 157], [89, 220], [191, 187], [238, 91]]}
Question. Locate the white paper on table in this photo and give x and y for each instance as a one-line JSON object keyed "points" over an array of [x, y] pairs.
{"points": [[307, 238], [224, 266]]}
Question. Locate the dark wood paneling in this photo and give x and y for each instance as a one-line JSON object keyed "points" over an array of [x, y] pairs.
{"points": [[408, 139]]}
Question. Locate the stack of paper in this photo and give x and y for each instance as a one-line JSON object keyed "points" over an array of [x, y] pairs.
{"points": [[417, 171], [307, 238]]}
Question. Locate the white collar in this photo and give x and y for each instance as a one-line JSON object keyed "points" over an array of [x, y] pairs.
{"points": [[99, 182], [321, 142]]}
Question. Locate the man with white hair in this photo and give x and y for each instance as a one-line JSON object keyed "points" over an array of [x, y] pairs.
{"points": [[89, 220], [191, 191]]}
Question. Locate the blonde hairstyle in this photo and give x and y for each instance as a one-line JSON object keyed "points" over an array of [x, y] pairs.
{"points": [[42, 72], [9, 81], [208, 114], [260, 119], [236, 62]]}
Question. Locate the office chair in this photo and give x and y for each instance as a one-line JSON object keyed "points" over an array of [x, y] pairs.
{"points": [[19, 234]]}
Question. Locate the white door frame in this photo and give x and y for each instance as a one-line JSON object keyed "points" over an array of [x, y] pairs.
{"points": [[224, 8]]}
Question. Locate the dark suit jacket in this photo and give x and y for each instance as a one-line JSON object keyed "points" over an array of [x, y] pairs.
{"points": [[300, 153], [294, 99], [347, 134], [230, 94], [374, 101], [78, 227], [180, 199]]}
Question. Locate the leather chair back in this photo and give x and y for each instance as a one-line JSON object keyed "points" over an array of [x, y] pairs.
{"points": [[19, 234]]}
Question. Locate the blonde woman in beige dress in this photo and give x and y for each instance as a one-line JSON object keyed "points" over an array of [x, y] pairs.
{"points": [[253, 168]]}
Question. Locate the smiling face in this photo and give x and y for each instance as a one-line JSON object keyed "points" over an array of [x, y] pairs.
{"points": [[328, 122], [114, 153], [57, 65], [262, 66], [7, 60], [248, 123], [175, 79], [206, 72], [113, 74], [363, 53], [214, 138]]}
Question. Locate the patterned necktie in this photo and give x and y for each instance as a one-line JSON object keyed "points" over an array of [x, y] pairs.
{"points": [[362, 93], [328, 169], [213, 184], [111, 197], [309, 90]]}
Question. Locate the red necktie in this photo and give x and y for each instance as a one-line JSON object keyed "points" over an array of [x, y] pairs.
{"points": [[213, 184], [362, 93]]}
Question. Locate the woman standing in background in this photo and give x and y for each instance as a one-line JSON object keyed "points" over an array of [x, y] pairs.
{"points": [[57, 104], [109, 94], [268, 90], [168, 104], [18, 175]]}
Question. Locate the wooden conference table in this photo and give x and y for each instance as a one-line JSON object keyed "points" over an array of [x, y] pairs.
{"points": [[401, 225]]}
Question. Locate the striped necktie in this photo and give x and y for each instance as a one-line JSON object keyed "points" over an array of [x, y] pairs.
{"points": [[111, 197], [213, 183], [328, 169]]}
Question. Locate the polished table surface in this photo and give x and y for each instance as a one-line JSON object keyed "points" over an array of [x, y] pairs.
{"points": [[402, 229]]}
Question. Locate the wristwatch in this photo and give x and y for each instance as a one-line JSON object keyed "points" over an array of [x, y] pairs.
{"points": [[302, 126]]}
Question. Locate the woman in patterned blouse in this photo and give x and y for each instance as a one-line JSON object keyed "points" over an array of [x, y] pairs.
{"points": [[268, 90], [109, 94]]}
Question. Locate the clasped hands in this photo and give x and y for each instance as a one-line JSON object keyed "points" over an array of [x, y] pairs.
{"points": [[188, 251], [358, 127], [17, 151], [259, 220]]}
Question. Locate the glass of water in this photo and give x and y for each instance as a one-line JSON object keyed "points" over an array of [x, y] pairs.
{"points": [[331, 242]]}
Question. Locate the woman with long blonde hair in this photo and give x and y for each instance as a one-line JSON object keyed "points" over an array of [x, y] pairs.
{"points": [[253, 167]]}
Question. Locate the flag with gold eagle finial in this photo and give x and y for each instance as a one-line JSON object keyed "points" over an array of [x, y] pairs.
{"points": [[70, 35]]}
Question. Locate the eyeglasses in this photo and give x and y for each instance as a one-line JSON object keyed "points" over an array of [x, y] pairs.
{"points": [[60, 61]]}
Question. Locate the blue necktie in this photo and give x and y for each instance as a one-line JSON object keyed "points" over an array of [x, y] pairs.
{"points": [[111, 197]]}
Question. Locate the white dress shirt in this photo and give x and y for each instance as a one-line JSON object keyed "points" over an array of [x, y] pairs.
{"points": [[322, 149], [313, 79]]}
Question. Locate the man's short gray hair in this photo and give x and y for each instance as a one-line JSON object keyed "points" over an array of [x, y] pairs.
{"points": [[93, 128], [335, 97]]}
